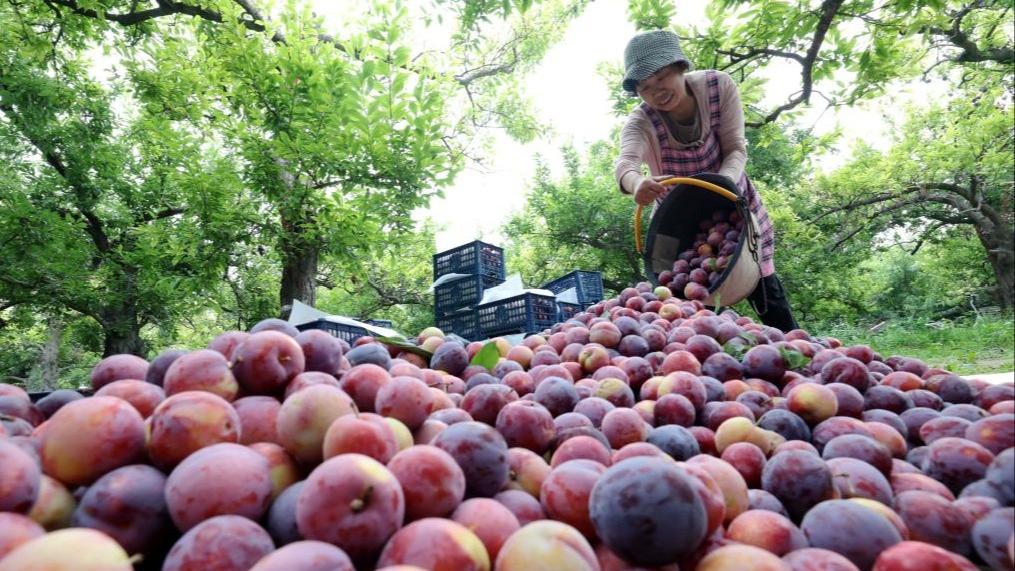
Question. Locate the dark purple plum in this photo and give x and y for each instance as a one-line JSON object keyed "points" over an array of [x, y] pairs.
{"points": [[647, 510], [956, 462], [799, 480], [480, 452], [674, 440], [850, 529], [786, 424]]}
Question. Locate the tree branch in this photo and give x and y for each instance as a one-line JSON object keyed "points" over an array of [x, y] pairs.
{"points": [[93, 225], [971, 53], [926, 234], [167, 213], [884, 197], [829, 8], [165, 8], [752, 53]]}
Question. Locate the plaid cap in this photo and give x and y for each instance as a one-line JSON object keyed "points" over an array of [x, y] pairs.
{"points": [[647, 53]]}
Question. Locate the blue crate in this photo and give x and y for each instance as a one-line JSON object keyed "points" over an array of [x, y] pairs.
{"points": [[348, 333], [525, 313], [461, 293], [567, 310], [476, 257], [588, 286], [378, 322], [463, 323]]}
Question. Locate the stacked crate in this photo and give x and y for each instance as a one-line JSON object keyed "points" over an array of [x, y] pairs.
{"points": [[524, 313], [455, 302], [588, 287]]}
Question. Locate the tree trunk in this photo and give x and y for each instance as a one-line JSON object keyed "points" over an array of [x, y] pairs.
{"points": [[49, 360], [122, 334], [299, 276], [999, 244]]}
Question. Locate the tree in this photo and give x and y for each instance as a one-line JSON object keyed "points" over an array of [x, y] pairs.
{"points": [[344, 137], [122, 217], [949, 166], [222, 133]]}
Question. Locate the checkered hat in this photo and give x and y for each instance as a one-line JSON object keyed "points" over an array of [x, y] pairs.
{"points": [[649, 52]]}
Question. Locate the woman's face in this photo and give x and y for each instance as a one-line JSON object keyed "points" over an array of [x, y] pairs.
{"points": [[664, 89]]}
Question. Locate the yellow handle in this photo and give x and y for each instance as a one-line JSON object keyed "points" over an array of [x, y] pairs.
{"points": [[679, 180]]}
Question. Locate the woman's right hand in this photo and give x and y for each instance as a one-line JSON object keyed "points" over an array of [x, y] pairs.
{"points": [[650, 189]]}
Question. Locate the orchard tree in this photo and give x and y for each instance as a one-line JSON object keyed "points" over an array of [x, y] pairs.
{"points": [[950, 166], [578, 222], [217, 132], [121, 216], [342, 136]]}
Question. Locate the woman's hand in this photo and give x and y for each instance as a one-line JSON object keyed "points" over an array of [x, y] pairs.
{"points": [[650, 189]]}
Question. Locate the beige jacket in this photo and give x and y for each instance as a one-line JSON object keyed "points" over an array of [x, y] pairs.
{"points": [[639, 144]]}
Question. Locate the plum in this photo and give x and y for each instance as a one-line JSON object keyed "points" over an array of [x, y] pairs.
{"points": [[305, 556], [647, 511], [222, 543], [19, 479], [799, 479], [851, 530], [129, 505], [351, 501], [437, 544]]}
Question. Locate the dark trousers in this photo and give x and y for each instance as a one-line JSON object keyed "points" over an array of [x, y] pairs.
{"points": [[769, 300]]}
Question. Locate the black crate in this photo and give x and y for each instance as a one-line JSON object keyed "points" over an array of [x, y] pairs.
{"points": [[348, 333], [461, 293], [477, 258], [588, 286], [378, 323], [525, 313], [463, 323], [567, 310]]}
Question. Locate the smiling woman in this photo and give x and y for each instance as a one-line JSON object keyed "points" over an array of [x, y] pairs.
{"points": [[691, 123]]}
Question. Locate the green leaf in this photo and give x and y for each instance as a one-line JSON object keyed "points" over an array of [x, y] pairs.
{"points": [[735, 349], [405, 346], [794, 359], [487, 357]]}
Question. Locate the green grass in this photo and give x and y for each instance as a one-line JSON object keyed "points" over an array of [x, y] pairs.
{"points": [[963, 347]]}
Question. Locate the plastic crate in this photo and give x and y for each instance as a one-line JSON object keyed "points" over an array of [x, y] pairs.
{"points": [[348, 333], [525, 313], [378, 323], [477, 258], [461, 293], [464, 323], [588, 285], [567, 310]]}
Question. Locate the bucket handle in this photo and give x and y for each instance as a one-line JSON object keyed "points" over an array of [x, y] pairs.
{"points": [[679, 180]]}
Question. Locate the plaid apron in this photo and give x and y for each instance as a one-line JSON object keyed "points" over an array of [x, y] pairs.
{"points": [[708, 158]]}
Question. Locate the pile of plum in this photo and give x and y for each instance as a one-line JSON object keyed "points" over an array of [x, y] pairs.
{"points": [[646, 432], [698, 268]]}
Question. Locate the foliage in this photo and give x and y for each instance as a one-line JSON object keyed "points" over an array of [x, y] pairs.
{"points": [[394, 287], [579, 222], [120, 215], [949, 166], [225, 146]]}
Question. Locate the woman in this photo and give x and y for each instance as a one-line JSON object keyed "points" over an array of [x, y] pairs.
{"points": [[687, 124]]}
